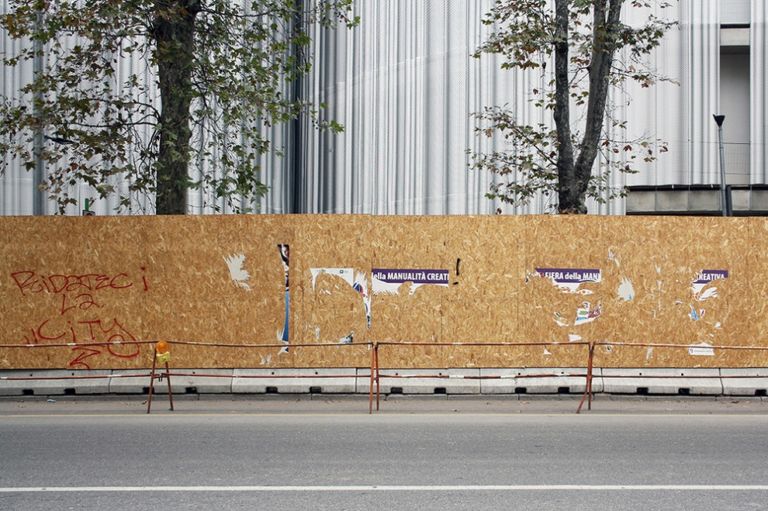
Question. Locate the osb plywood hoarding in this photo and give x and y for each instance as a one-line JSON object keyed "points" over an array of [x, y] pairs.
{"points": [[346, 280]]}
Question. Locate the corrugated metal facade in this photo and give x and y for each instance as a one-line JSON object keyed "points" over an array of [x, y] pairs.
{"points": [[758, 92], [404, 85]]}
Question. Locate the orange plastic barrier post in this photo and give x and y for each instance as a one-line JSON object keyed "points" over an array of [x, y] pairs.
{"points": [[161, 353]]}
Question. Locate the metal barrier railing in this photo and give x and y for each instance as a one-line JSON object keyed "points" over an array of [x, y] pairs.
{"points": [[375, 375]]}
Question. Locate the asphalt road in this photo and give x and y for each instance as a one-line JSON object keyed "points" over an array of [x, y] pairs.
{"points": [[424, 456]]}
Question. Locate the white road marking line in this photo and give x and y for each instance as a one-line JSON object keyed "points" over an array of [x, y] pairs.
{"points": [[141, 414], [392, 488]]}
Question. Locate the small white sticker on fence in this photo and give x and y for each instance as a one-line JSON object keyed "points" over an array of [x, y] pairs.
{"points": [[701, 350]]}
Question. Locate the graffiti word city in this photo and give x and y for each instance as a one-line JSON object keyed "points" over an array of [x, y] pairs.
{"points": [[78, 292]]}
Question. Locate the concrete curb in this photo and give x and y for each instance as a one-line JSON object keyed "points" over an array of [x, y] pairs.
{"points": [[744, 384], [443, 381], [52, 387], [197, 384], [690, 381], [519, 381], [258, 381], [123, 382], [663, 381]]}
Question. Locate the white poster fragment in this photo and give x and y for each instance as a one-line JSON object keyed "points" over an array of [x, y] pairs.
{"points": [[587, 314], [237, 273], [346, 274], [626, 290], [356, 280], [701, 349]]}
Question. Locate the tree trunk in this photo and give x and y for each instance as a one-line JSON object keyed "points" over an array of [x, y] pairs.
{"points": [[606, 19], [565, 168], [173, 32]]}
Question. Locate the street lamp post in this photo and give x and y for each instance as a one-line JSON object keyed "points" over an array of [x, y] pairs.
{"points": [[719, 119]]}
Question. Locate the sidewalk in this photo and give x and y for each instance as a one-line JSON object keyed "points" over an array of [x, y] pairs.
{"points": [[356, 404]]}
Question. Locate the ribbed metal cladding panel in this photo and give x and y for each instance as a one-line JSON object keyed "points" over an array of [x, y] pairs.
{"points": [[758, 92], [414, 85], [404, 85], [16, 185], [701, 87]]}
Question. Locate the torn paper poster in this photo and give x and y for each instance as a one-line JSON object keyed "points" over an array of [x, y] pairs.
{"points": [[701, 350], [361, 286], [626, 291], [613, 258], [285, 258], [388, 281], [703, 279], [357, 281], [284, 349], [560, 320], [570, 279], [574, 338], [346, 274], [237, 273], [586, 314], [696, 314], [348, 339]]}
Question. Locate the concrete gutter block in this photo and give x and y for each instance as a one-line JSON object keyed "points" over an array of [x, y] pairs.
{"points": [[454, 381], [133, 381], [294, 381], [424, 384], [124, 382], [745, 382], [663, 381], [260, 381], [215, 381], [363, 380], [330, 381], [560, 380], [463, 381], [74, 386]]}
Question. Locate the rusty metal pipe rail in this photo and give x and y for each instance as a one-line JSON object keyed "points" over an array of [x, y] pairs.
{"points": [[72, 377], [375, 373], [183, 343], [681, 376], [678, 346], [153, 375], [455, 344], [267, 376], [487, 377], [378, 375]]}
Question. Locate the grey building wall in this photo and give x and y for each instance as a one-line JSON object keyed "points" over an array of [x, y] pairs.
{"points": [[404, 85]]}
